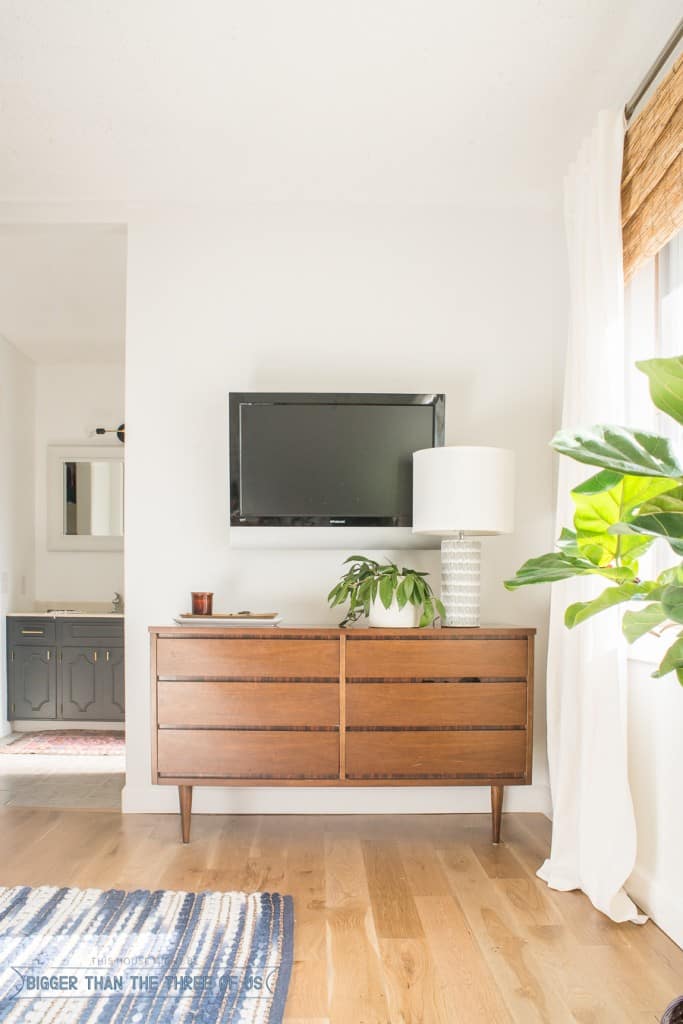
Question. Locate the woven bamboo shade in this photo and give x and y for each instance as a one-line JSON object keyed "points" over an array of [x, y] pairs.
{"points": [[652, 176]]}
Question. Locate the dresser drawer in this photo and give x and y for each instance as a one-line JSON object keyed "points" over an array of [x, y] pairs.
{"points": [[217, 753], [435, 755], [31, 631], [436, 659], [203, 658], [243, 704], [435, 704]]}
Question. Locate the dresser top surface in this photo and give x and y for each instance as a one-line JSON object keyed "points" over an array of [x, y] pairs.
{"points": [[353, 632]]}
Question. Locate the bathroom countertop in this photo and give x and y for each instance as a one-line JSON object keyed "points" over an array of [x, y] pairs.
{"points": [[65, 615]]}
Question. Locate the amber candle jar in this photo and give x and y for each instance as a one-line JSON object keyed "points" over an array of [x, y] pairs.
{"points": [[202, 602]]}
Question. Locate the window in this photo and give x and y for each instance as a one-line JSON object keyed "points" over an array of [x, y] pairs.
{"points": [[653, 317]]}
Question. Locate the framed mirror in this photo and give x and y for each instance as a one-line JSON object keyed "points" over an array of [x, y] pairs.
{"points": [[85, 498]]}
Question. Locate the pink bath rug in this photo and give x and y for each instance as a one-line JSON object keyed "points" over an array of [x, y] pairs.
{"points": [[67, 741]]}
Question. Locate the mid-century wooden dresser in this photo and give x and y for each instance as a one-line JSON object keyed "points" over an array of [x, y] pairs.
{"points": [[335, 707]]}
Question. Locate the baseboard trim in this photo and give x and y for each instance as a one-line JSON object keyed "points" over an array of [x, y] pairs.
{"points": [[319, 800], [657, 904]]}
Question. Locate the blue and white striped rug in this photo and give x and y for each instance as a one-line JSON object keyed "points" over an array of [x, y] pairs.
{"points": [[114, 957]]}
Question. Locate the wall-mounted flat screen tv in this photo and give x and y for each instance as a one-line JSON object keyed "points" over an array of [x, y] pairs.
{"points": [[327, 459]]}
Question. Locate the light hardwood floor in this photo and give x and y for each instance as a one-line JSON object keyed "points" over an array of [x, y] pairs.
{"points": [[62, 780], [414, 919]]}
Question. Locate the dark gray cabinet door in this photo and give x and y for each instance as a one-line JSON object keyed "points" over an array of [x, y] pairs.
{"points": [[33, 682], [110, 684], [78, 683], [91, 684]]}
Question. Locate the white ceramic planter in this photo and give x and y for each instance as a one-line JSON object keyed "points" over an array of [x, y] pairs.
{"points": [[393, 617]]}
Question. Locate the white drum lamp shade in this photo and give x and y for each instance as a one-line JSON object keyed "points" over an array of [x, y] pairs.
{"points": [[460, 493]]}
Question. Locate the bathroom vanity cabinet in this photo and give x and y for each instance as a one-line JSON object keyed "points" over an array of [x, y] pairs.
{"points": [[65, 669]]}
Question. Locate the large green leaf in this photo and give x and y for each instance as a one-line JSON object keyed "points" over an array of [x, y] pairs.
{"points": [[661, 516], [636, 623], [625, 451], [672, 661], [674, 574], [582, 610], [556, 565], [568, 544], [666, 579], [666, 384], [672, 602], [608, 498]]}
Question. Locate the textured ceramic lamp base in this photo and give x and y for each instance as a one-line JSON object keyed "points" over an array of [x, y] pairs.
{"points": [[460, 572]]}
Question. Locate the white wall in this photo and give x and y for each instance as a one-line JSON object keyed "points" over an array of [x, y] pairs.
{"points": [[321, 298], [71, 400], [16, 494]]}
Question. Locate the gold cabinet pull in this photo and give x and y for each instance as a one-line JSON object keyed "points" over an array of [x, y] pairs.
{"points": [[94, 655], [33, 632], [48, 655], [107, 655]]}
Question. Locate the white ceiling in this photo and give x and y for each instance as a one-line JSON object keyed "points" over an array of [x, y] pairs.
{"points": [[63, 291], [365, 100]]}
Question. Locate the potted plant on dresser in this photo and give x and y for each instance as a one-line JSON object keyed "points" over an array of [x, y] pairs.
{"points": [[385, 594]]}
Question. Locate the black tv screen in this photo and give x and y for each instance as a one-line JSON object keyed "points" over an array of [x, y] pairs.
{"points": [[327, 460]]}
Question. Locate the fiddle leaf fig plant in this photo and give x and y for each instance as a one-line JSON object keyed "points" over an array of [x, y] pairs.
{"points": [[367, 580], [635, 499]]}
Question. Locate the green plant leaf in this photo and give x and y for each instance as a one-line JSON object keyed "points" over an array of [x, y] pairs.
{"points": [[440, 608], [427, 616], [386, 591], [567, 543], [637, 623], [626, 451], [557, 566], [582, 610], [666, 384], [408, 585], [600, 483], [665, 579], [672, 575], [401, 594], [608, 498], [672, 661], [661, 516], [672, 602]]}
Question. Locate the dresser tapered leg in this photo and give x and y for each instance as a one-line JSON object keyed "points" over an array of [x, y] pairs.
{"points": [[185, 794], [496, 811]]}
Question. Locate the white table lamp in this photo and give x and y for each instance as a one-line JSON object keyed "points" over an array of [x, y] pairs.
{"points": [[461, 494]]}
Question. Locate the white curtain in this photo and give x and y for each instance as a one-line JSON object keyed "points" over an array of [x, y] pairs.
{"points": [[594, 837]]}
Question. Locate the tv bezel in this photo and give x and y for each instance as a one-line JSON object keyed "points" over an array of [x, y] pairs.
{"points": [[238, 398]]}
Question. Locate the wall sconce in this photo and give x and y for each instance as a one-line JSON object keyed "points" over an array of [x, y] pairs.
{"points": [[120, 431]]}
